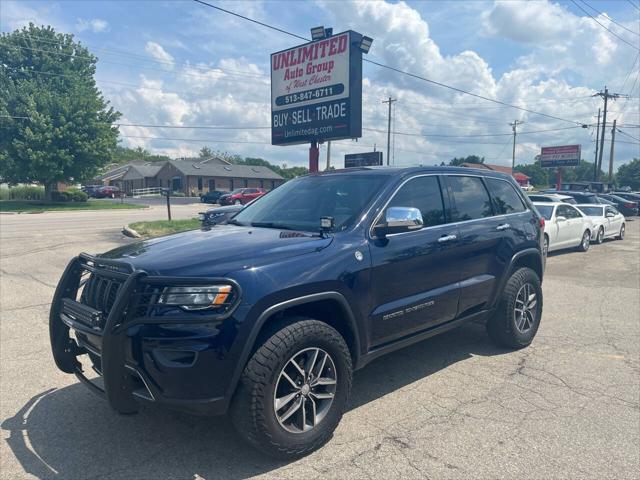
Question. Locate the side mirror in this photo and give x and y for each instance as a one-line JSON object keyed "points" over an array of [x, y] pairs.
{"points": [[609, 215], [399, 220], [561, 219]]}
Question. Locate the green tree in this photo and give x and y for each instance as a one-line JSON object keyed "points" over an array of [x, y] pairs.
{"points": [[538, 176], [205, 152], [123, 155], [56, 125], [456, 162], [628, 175]]}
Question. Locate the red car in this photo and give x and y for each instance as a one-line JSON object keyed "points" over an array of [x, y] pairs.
{"points": [[241, 196], [108, 191]]}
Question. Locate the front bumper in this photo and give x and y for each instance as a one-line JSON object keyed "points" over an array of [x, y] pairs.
{"points": [[181, 360]]}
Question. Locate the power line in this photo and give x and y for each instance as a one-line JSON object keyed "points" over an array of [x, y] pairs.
{"points": [[611, 19], [634, 5], [145, 58], [190, 74], [185, 127], [604, 26], [472, 135], [628, 135], [397, 70]]}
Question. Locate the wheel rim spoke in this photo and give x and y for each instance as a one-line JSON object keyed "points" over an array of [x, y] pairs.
{"points": [[524, 309], [293, 409], [282, 401]]}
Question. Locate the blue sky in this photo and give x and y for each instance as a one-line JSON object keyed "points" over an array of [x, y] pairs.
{"points": [[184, 64]]}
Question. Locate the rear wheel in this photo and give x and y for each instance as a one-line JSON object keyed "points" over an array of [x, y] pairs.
{"points": [[294, 390], [517, 318], [600, 237], [545, 245], [585, 242], [621, 234]]}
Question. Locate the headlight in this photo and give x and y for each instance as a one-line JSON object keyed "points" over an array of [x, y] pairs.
{"points": [[196, 297], [202, 217]]}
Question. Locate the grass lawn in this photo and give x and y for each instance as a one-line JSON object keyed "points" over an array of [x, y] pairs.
{"points": [[35, 206], [157, 228]]}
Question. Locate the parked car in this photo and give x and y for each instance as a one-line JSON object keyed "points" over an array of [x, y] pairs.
{"points": [[218, 215], [579, 197], [634, 197], [565, 227], [552, 197], [627, 207], [268, 316], [607, 222], [241, 196], [107, 191], [91, 190], [212, 196]]}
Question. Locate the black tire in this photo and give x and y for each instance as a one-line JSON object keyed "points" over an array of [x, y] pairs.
{"points": [[237, 202], [545, 245], [600, 236], [621, 234], [502, 327], [253, 408], [585, 242]]}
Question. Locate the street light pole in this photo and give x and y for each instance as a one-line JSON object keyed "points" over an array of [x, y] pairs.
{"points": [[514, 127]]}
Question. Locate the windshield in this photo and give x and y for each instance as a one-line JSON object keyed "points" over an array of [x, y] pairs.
{"points": [[300, 203], [591, 211], [545, 210]]}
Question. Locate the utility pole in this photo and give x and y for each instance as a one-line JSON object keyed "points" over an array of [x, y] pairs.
{"points": [[613, 139], [514, 127], [328, 155], [390, 101], [595, 161], [606, 95]]}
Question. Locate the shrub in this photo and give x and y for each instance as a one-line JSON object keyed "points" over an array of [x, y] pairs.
{"points": [[25, 192], [69, 195]]}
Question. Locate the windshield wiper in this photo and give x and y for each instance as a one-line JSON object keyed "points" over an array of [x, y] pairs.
{"points": [[279, 226]]}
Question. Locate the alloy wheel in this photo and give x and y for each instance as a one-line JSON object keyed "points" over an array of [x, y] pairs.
{"points": [[585, 241], [600, 237], [305, 390], [622, 232], [525, 308]]}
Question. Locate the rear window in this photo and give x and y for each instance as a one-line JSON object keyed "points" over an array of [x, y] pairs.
{"points": [[545, 210], [504, 197], [540, 198], [471, 199]]}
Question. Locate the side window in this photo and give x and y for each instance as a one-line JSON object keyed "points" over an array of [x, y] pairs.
{"points": [[505, 199], [424, 194], [563, 211], [470, 198], [572, 213]]}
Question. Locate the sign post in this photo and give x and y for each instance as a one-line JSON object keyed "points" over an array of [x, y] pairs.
{"points": [[316, 91]]}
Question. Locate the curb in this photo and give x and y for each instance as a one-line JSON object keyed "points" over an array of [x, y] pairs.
{"points": [[130, 232]]}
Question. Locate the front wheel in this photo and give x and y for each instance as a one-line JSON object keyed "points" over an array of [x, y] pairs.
{"points": [[585, 242], [621, 234], [237, 202], [517, 318], [600, 237], [294, 390]]}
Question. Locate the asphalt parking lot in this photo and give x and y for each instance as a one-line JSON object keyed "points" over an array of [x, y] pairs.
{"points": [[450, 407]]}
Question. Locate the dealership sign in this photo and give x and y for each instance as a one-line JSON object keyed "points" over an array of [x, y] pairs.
{"points": [[367, 159], [316, 91], [563, 156]]}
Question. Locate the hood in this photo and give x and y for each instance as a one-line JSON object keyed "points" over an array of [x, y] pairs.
{"points": [[216, 251]]}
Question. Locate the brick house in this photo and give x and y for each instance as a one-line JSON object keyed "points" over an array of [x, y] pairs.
{"points": [[196, 177]]}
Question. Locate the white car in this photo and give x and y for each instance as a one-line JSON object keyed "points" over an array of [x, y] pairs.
{"points": [[565, 226], [607, 221], [551, 197]]}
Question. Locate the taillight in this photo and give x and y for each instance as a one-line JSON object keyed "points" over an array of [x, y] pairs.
{"points": [[542, 222], [630, 205]]}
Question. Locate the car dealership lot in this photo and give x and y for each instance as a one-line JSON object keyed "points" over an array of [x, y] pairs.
{"points": [[450, 407]]}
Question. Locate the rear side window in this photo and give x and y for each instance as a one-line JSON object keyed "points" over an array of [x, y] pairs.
{"points": [[504, 197], [471, 199], [424, 194]]}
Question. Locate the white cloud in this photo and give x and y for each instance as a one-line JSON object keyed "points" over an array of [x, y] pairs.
{"points": [[15, 15], [156, 51], [95, 25]]}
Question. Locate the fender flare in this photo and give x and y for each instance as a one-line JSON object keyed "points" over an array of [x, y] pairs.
{"points": [[510, 267], [280, 306]]}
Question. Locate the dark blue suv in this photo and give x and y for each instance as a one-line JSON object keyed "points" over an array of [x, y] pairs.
{"points": [[268, 317]]}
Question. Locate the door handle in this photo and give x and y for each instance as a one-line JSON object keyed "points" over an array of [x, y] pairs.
{"points": [[448, 238], [504, 226]]}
